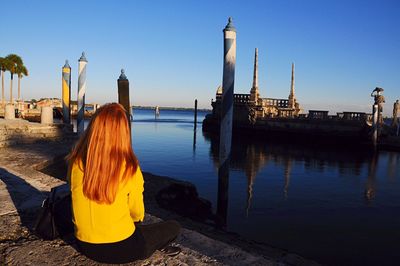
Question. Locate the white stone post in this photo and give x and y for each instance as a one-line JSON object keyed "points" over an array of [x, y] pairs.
{"points": [[66, 93], [9, 112], [46, 115], [375, 125], [228, 81], [81, 93]]}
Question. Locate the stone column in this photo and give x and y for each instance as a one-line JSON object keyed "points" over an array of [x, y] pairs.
{"points": [[228, 81], [123, 93], [375, 122], [9, 112], [66, 92], [81, 93], [46, 115], [396, 107], [2, 88]]}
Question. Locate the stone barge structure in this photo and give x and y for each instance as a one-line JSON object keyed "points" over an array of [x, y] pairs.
{"points": [[282, 117]]}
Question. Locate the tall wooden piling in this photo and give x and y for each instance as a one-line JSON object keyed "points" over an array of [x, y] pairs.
{"points": [[228, 81], [66, 93], [123, 93], [195, 114], [82, 62]]}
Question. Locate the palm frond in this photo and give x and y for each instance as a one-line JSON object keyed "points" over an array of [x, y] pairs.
{"points": [[16, 59], [21, 71]]}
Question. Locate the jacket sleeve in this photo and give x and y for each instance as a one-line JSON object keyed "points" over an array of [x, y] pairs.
{"points": [[135, 198]]}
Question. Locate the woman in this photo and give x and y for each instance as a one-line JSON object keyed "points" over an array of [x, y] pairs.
{"points": [[107, 194]]}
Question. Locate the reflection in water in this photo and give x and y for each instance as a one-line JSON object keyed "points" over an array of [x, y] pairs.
{"points": [[251, 156], [194, 141], [223, 193], [253, 162], [288, 170], [370, 186], [394, 161]]}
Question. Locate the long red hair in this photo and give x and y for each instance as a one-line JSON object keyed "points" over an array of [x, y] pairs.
{"points": [[105, 153]]}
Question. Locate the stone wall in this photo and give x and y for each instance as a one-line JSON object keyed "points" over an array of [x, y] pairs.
{"points": [[18, 131]]}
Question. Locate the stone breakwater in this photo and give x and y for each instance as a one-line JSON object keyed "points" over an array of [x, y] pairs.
{"points": [[18, 131], [23, 187]]}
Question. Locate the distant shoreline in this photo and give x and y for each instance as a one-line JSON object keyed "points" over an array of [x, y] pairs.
{"points": [[169, 108]]}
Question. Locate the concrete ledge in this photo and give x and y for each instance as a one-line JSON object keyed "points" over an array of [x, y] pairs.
{"points": [[18, 131]]}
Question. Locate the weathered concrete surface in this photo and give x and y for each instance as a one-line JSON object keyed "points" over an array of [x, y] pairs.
{"points": [[22, 189], [19, 131]]}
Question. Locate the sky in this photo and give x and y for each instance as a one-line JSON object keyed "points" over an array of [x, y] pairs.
{"points": [[172, 51]]}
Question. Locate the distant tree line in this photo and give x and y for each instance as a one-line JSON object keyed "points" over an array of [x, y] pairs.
{"points": [[12, 63]]}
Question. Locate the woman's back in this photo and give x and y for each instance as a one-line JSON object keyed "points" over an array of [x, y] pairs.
{"points": [[106, 223], [107, 193]]}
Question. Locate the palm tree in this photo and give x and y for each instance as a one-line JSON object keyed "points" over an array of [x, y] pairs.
{"points": [[21, 72], [2, 69], [14, 61]]}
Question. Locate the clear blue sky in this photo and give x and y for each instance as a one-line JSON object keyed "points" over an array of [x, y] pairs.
{"points": [[172, 51]]}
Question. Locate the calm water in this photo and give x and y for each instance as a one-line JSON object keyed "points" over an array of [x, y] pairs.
{"points": [[334, 206]]}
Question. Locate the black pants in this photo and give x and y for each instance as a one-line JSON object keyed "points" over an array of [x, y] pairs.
{"points": [[140, 245]]}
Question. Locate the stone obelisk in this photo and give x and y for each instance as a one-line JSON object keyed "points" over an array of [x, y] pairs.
{"points": [[66, 92], [291, 94], [228, 81], [254, 92], [81, 93]]}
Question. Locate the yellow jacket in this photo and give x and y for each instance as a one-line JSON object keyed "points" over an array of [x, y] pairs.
{"points": [[102, 223]]}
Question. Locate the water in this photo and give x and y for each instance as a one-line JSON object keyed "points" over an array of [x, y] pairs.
{"points": [[332, 205]]}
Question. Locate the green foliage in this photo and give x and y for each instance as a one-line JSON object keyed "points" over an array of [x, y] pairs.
{"points": [[16, 59], [3, 63], [21, 71], [12, 62]]}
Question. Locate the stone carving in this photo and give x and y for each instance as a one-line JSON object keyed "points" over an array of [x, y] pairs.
{"points": [[379, 100], [396, 108], [252, 115]]}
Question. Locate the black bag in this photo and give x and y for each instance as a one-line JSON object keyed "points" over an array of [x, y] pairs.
{"points": [[55, 215]]}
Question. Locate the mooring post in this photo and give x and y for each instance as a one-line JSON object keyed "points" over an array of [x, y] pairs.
{"points": [[195, 114], [66, 92], [228, 81], [123, 94], [46, 115], [375, 123], [81, 93], [9, 112]]}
